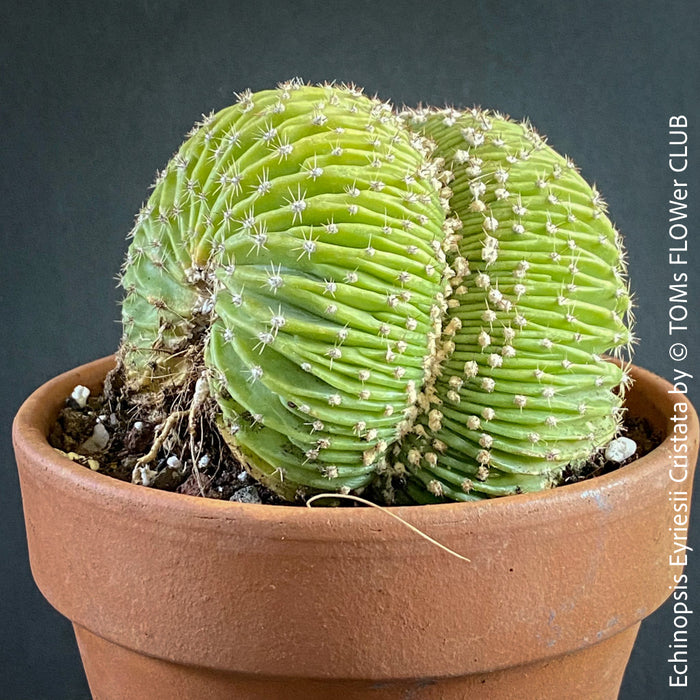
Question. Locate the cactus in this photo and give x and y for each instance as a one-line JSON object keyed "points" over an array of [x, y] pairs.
{"points": [[540, 295], [299, 269], [289, 264]]}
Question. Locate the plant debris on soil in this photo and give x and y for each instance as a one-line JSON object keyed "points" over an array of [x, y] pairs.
{"points": [[82, 426], [108, 435]]}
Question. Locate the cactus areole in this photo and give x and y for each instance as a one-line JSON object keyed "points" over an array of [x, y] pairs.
{"points": [[415, 302]]}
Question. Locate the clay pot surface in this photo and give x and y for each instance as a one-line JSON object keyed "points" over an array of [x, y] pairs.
{"points": [[178, 596]]}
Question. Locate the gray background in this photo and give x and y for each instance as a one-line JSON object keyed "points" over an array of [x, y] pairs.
{"points": [[95, 97]]}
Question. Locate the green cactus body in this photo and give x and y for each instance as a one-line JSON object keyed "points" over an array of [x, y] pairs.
{"points": [[295, 252], [539, 296], [298, 235]]}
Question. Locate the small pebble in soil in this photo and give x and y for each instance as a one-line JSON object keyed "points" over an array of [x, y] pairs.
{"points": [[80, 395], [620, 449], [248, 494], [173, 462], [145, 474], [97, 441]]}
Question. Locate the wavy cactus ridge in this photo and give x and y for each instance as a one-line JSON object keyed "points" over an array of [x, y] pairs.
{"points": [[293, 249], [541, 296], [296, 252]]}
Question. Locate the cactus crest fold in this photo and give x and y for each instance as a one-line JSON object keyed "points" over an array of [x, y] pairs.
{"points": [[358, 321], [293, 248], [539, 296]]}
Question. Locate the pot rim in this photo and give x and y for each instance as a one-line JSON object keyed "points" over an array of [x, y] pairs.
{"points": [[293, 562], [38, 412]]}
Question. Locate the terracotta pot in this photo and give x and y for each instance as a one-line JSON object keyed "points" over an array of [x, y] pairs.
{"points": [[173, 596]]}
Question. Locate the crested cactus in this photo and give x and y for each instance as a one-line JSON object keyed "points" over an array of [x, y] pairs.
{"points": [[290, 257], [540, 295], [299, 269]]}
